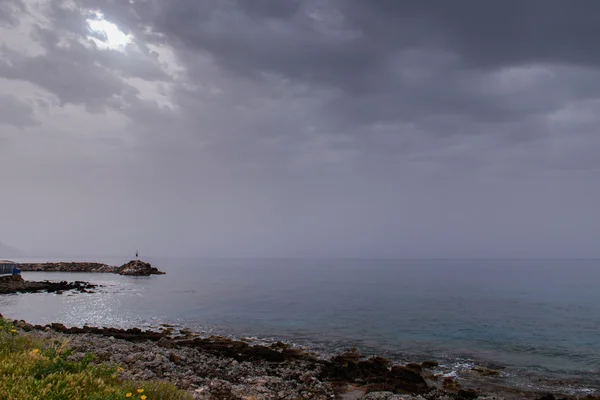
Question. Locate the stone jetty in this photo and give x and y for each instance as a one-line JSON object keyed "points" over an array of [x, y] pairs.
{"points": [[68, 267], [132, 268]]}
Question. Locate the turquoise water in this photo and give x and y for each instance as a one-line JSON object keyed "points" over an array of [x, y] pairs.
{"points": [[531, 316]]}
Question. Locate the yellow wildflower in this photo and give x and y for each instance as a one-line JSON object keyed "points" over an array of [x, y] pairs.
{"points": [[120, 369], [140, 390], [129, 394], [13, 330], [35, 351], [143, 397]]}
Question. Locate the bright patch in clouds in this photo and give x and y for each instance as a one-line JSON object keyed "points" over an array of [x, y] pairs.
{"points": [[112, 36]]}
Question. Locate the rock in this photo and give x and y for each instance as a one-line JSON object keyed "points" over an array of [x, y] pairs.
{"points": [[416, 367], [429, 364], [186, 332], [16, 284], [467, 394], [551, 397], [24, 326], [220, 389], [485, 371], [58, 327], [165, 342], [408, 380], [174, 358], [450, 384], [375, 373], [138, 268], [351, 355]]}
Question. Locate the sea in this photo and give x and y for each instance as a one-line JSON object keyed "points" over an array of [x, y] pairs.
{"points": [[536, 321]]}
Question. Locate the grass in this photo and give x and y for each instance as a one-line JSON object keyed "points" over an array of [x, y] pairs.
{"points": [[32, 369]]}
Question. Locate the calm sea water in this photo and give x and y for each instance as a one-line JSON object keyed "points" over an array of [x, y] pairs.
{"points": [[531, 316]]}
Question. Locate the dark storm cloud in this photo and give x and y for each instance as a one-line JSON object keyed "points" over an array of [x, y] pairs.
{"points": [[346, 41], [489, 34], [389, 60]]}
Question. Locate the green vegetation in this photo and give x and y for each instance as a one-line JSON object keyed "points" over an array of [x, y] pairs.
{"points": [[33, 369]]}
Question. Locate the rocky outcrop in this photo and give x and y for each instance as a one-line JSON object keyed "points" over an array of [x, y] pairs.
{"points": [[16, 284], [138, 268], [375, 373], [132, 268], [68, 267]]}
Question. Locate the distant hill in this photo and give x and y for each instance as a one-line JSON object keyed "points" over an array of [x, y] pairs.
{"points": [[8, 252]]}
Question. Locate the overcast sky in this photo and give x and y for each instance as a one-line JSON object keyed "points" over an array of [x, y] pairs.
{"points": [[379, 128]]}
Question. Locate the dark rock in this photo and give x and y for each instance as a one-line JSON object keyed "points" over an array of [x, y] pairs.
{"points": [[262, 353], [416, 367], [166, 343], [349, 356], [450, 384], [429, 364], [132, 335], [220, 389], [408, 380], [24, 326], [138, 268], [380, 387], [467, 394], [551, 397], [279, 345], [485, 371], [16, 284], [174, 358], [375, 373], [58, 327]]}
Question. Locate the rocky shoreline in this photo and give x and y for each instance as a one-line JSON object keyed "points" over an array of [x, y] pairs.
{"points": [[67, 267], [132, 268], [16, 284], [222, 368]]}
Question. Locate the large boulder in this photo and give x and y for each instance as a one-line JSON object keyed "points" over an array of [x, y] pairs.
{"points": [[138, 268]]}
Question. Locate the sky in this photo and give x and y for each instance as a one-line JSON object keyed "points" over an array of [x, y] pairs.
{"points": [[268, 128]]}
